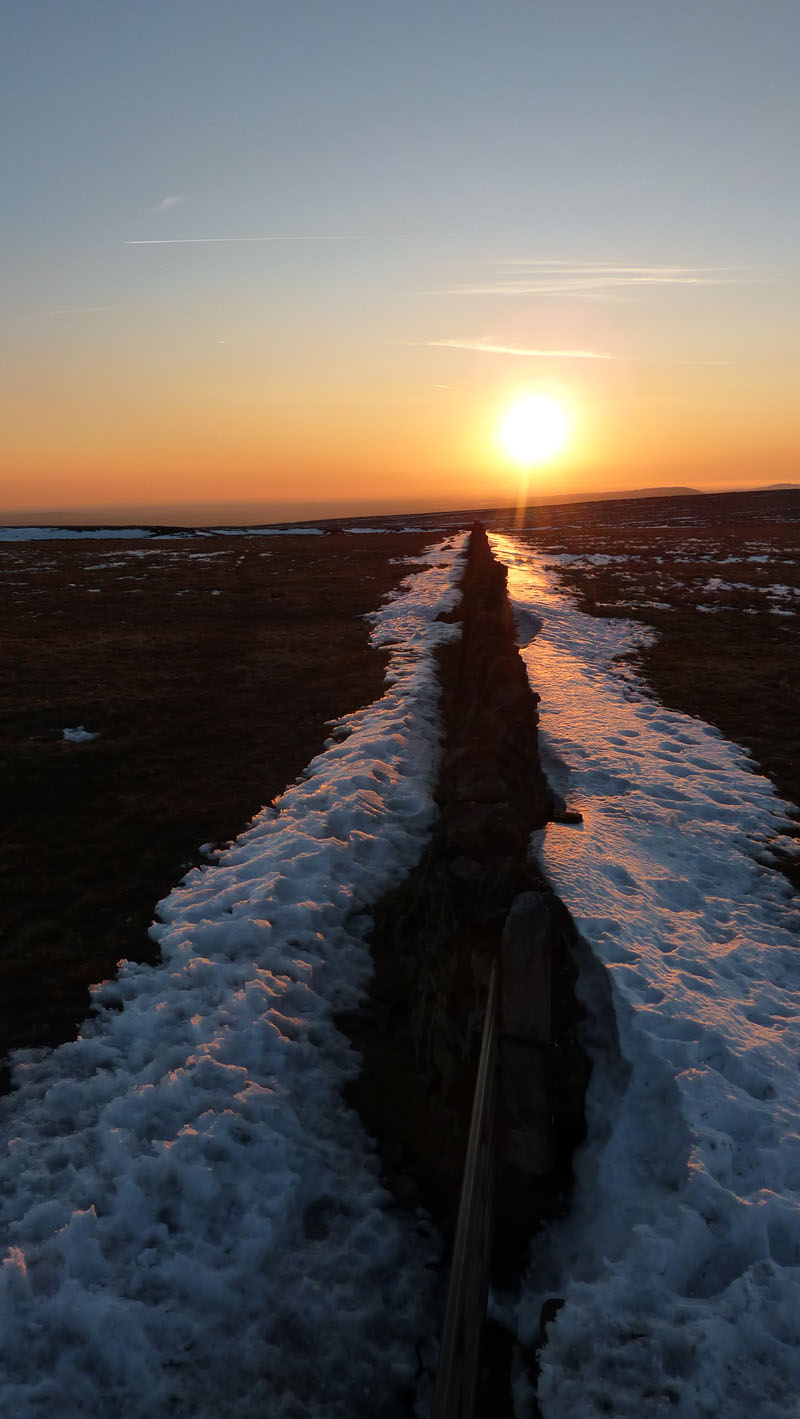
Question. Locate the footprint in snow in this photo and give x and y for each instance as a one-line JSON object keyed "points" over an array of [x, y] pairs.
{"points": [[603, 784], [677, 895], [620, 876], [527, 626]]}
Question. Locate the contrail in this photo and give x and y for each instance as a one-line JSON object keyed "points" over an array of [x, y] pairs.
{"points": [[488, 348], [206, 241], [80, 309], [493, 347]]}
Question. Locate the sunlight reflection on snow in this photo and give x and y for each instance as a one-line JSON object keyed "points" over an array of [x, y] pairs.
{"points": [[685, 1229]]}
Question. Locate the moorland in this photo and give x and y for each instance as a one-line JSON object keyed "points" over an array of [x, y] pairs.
{"points": [[210, 667], [209, 670]]}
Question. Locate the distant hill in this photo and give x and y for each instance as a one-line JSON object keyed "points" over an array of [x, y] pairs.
{"points": [[238, 514], [630, 494], [172, 517]]}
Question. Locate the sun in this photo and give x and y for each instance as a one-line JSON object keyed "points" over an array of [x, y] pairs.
{"points": [[535, 429]]}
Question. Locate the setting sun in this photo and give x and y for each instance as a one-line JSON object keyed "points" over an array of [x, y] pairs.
{"points": [[534, 429]]}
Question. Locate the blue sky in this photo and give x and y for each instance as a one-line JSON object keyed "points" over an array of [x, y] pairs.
{"points": [[435, 189]]}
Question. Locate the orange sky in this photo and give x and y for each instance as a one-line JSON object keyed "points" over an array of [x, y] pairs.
{"points": [[307, 263], [112, 438]]}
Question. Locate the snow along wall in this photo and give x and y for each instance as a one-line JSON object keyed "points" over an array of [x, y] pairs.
{"points": [[436, 936], [192, 1221]]}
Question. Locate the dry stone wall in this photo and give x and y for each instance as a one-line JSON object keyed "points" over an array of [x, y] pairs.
{"points": [[435, 939]]}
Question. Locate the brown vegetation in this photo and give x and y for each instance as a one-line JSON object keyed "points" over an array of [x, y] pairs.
{"points": [[207, 704], [208, 667]]}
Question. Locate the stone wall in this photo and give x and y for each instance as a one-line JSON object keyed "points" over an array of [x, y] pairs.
{"points": [[435, 939]]}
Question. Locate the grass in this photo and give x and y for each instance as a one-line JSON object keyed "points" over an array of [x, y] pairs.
{"points": [[210, 680], [210, 667]]}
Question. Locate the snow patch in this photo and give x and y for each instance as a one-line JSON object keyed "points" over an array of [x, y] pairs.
{"points": [[680, 1262], [192, 1219], [69, 534]]}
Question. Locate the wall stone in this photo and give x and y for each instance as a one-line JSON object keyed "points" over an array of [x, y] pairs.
{"points": [[435, 938]]}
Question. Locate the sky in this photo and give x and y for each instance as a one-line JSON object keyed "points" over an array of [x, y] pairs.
{"points": [[309, 254]]}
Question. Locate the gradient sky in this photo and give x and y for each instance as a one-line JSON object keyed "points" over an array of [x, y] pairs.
{"points": [[311, 251]]}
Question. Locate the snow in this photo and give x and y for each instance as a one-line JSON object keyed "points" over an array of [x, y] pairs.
{"points": [[679, 1263], [716, 583], [368, 531], [764, 596], [78, 735], [192, 1218], [264, 531], [591, 559], [69, 534], [654, 605], [152, 552]]}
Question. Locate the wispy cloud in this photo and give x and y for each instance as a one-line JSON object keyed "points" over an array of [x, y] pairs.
{"points": [[80, 309], [220, 240], [490, 346], [167, 203], [590, 280]]}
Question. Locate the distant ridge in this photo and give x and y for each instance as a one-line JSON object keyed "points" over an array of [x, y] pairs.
{"points": [[162, 518], [629, 494], [231, 514]]}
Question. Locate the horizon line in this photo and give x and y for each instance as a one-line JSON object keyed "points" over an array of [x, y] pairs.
{"points": [[80, 516]]}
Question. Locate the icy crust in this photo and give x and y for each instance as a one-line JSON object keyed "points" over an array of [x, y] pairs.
{"points": [[192, 1220], [68, 534], [680, 1261]]}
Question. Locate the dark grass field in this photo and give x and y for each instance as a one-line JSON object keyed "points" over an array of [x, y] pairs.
{"points": [[208, 667]]}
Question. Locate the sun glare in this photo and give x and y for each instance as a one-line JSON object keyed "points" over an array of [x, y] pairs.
{"points": [[534, 429]]}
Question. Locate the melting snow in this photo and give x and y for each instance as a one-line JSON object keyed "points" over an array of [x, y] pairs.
{"points": [[68, 534], [192, 1219], [680, 1262], [716, 583], [264, 531]]}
